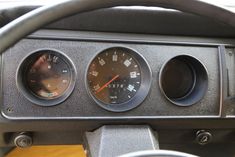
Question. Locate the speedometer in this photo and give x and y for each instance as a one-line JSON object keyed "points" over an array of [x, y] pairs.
{"points": [[116, 76]]}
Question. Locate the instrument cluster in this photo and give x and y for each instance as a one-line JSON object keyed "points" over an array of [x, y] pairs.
{"points": [[118, 79]]}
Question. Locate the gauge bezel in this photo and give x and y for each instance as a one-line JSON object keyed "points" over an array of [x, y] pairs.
{"points": [[22, 87], [141, 94], [198, 89]]}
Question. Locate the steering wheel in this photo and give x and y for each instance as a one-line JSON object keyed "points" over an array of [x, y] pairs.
{"points": [[157, 153], [28, 23]]}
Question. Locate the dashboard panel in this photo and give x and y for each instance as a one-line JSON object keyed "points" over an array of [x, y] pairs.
{"points": [[81, 51], [198, 47]]}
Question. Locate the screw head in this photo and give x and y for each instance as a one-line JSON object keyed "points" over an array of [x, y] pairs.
{"points": [[203, 137], [23, 141]]}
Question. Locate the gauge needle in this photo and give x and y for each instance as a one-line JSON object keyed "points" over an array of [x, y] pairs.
{"points": [[106, 84]]}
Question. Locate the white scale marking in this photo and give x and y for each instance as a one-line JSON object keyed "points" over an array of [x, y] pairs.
{"points": [[65, 81], [43, 58], [113, 97], [127, 63], [55, 59], [49, 58], [96, 87], [64, 71], [94, 73], [133, 74], [131, 88], [115, 58], [102, 62]]}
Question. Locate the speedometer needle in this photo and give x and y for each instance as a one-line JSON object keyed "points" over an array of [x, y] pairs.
{"points": [[106, 84]]}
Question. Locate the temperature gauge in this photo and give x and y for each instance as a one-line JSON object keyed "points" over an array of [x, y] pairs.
{"points": [[46, 75]]}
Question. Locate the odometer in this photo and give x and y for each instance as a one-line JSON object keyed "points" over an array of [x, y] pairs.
{"points": [[114, 78]]}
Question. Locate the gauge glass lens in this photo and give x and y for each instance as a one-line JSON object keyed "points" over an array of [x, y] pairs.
{"points": [[114, 76], [48, 76]]}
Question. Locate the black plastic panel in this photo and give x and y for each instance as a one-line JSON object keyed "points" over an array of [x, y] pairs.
{"points": [[125, 20], [146, 21], [80, 105]]}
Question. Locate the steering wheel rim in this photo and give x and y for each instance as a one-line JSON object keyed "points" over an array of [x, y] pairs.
{"points": [[28, 23], [158, 153]]}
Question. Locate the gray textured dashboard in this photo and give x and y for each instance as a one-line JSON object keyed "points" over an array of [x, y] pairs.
{"points": [[176, 126], [79, 105]]}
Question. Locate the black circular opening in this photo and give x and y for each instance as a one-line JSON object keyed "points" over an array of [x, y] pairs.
{"points": [[183, 80], [178, 79]]}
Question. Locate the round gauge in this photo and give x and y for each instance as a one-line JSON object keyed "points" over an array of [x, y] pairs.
{"points": [[118, 79], [46, 77]]}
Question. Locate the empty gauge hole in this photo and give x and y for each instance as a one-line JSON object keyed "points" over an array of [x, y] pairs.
{"points": [[183, 80]]}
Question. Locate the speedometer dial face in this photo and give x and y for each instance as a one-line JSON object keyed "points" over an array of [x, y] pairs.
{"points": [[114, 76]]}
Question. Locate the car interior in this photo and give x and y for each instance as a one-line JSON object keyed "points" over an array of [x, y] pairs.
{"points": [[122, 78]]}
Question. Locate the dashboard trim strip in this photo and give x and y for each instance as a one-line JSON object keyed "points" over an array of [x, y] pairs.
{"points": [[110, 118], [130, 38], [223, 79]]}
